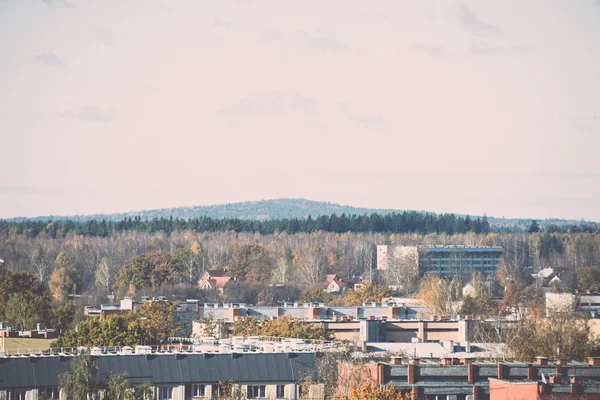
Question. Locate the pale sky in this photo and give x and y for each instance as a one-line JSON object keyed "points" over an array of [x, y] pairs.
{"points": [[448, 106]]}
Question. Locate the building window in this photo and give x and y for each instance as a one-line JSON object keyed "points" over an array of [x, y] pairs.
{"points": [[195, 390], [280, 391], [164, 393], [256, 391], [48, 393], [215, 391], [16, 395]]}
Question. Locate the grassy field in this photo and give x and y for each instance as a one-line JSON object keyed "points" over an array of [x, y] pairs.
{"points": [[24, 345]]}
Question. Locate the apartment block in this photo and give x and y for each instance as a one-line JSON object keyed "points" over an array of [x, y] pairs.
{"points": [[445, 261]]}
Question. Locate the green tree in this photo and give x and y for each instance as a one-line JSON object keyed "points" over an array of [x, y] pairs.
{"points": [[157, 319], [153, 269], [117, 387], [24, 310], [589, 278], [116, 330], [534, 227], [80, 382], [17, 283]]}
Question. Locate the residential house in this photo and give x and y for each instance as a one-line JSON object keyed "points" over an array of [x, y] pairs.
{"points": [[217, 279], [333, 284]]}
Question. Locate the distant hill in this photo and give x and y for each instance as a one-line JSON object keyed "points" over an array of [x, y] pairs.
{"points": [[289, 208]]}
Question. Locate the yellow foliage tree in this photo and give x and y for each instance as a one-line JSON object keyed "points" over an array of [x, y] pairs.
{"points": [[372, 391], [60, 283], [370, 292]]}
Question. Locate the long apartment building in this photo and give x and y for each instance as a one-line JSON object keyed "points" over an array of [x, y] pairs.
{"points": [[173, 376], [370, 322], [445, 261], [465, 379]]}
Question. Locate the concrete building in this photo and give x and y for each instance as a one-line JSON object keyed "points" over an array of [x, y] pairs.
{"points": [[445, 261], [583, 302], [370, 322], [174, 376]]}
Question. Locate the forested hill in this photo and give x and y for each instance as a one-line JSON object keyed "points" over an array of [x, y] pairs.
{"points": [[280, 209]]}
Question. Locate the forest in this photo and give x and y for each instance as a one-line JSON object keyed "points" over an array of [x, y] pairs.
{"points": [[406, 222]]}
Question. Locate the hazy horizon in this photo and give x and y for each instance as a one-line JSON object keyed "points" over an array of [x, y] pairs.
{"points": [[447, 106]]}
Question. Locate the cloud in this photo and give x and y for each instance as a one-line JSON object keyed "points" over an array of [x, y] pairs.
{"points": [[59, 3], [106, 37], [368, 121], [363, 121], [486, 48], [221, 23], [432, 49], [271, 34], [586, 123], [49, 59], [471, 21], [272, 103], [325, 42], [93, 114]]}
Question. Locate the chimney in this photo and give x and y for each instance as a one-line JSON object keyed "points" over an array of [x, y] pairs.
{"points": [[594, 361], [500, 371], [471, 373], [541, 360], [446, 361], [555, 379], [411, 374], [530, 372], [414, 361], [574, 379], [396, 361], [562, 361]]}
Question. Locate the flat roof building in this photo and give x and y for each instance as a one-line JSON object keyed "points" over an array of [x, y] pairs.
{"points": [[445, 261]]}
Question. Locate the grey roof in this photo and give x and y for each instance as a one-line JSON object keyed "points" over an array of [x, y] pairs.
{"points": [[27, 372]]}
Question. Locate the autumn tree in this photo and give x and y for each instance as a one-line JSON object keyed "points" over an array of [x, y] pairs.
{"points": [[250, 262], [152, 269], [562, 334], [280, 327], [372, 391], [369, 292], [441, 296], [60, 284]]}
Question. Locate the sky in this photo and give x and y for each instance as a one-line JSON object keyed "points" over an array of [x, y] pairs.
{"points": [[470, 107]]}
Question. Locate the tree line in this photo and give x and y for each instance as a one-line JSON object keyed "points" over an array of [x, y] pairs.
{"points": [[405, 222]]}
